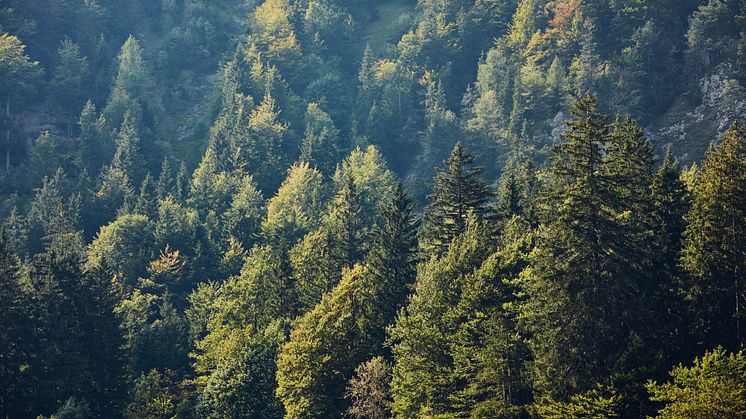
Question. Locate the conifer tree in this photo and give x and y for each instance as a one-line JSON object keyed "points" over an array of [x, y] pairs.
{"points": [[181, 183], [128, 157], [587, 276], [671, 202], [165, 184], [347, 231], [319, 146], [456, 191], [715, 242], [16, 331], [147, 202], [70, 80], [392, 261], [92, 141], [17, 76]]}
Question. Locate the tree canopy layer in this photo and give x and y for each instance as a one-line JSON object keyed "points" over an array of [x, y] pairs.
{"points": [[372, 209]]}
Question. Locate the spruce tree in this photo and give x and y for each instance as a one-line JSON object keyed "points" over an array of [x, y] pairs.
{"points": [[345, 226], [587, 276], [127, 157], [147, 202], [70, 80], [392, 261], [16, 333], [92, 143], [319, 147], [165, 184], [715, 243], [457, 190]]}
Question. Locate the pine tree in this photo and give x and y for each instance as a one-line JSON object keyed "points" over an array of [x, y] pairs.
{"points": [[715, 242], [165, 185], [16, 229], [17, 76], [457, 190], [147, 202], [92, 141], [78, 350], [671, 202], [181, 183]]}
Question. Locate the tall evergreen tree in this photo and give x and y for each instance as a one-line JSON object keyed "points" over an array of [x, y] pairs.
{"points": [[345, 225], [16, 333], [70, 80], [18, 73], [128, 157], [93, 144], [456, 191], [392, 261], [671, 200], [715, 243], [588, 277]]}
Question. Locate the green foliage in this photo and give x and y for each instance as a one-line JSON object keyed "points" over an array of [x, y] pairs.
{"points": [[325, 346], [127, 157], [595, 403], [592, 260], [319, 146], [18, 71], [422, 380], [241, 383], [583, 273], [155, 395], [70, 78], [297, 206], [368, 391], [15, 330], [713, 252], [457, 191], [714, 386], [125, 246]]}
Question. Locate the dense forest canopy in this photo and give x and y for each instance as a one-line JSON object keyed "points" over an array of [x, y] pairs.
{"points": [[372, 208]]}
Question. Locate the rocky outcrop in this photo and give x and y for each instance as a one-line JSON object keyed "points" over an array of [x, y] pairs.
{"points": [[696, 120]]}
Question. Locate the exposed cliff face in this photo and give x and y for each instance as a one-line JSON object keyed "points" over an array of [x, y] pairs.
{"points": [[697, 119]]}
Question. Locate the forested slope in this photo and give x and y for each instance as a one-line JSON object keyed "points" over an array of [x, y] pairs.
{"points": [[319, 208]]}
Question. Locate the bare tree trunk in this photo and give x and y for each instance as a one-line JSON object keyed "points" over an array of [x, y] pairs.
{"points": [[7, 134]]}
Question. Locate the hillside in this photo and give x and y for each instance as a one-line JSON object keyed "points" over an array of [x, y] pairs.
{"points": [[372, 209]]}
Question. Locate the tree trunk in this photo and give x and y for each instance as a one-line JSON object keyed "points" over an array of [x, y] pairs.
{"points": [[7, 134]]}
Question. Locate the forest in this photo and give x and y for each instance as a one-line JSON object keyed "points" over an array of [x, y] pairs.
{"points": [[372, 209]]}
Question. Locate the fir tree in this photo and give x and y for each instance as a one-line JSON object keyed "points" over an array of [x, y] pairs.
{"points": [[715, 242], [127, 157], [392, 261], [457, 191], [16, 331], [345, 226], [587, 275]]}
